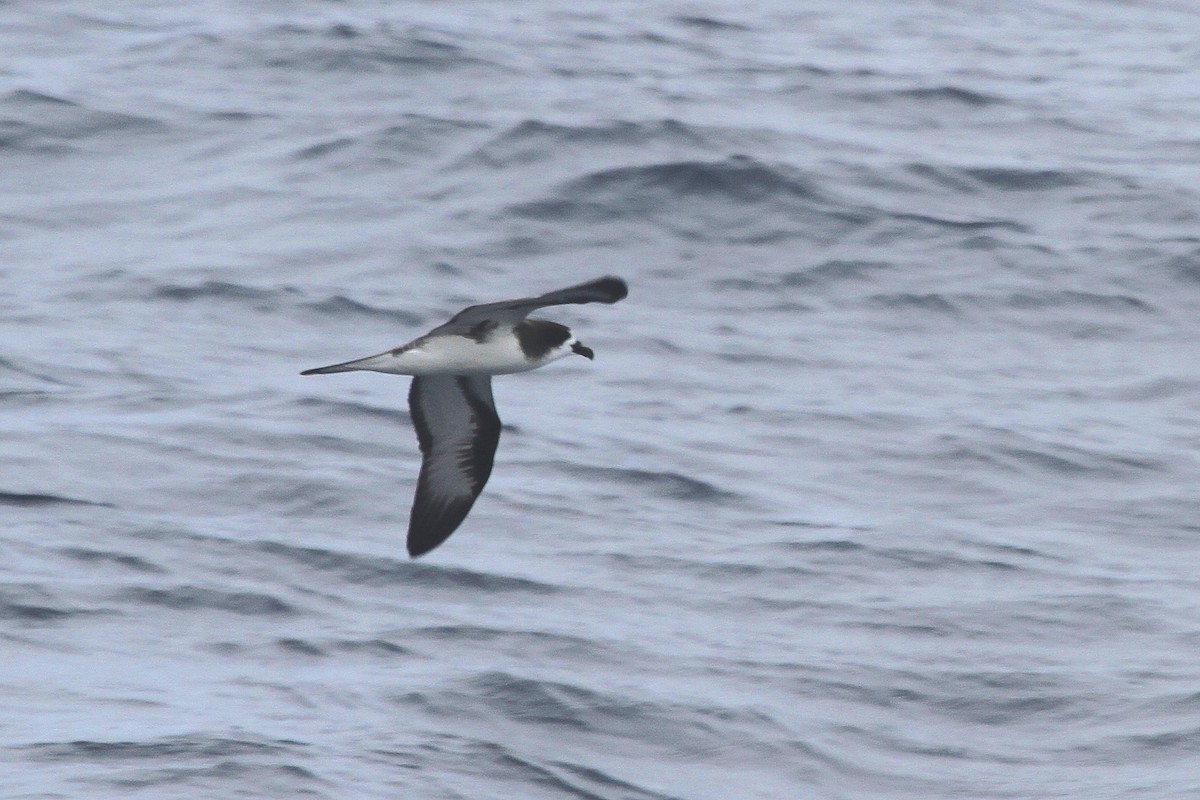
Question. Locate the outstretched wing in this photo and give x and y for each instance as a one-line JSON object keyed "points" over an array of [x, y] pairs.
{"points": [[458, 430], [602, 290]]}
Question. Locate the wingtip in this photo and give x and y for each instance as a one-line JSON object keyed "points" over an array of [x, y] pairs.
{"points": [[417, 552], [421, 544], [332, 368], [616, 288]]}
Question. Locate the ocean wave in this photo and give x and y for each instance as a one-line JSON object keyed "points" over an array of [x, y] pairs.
{"points": [[34, 612], [185, 746], [736, 200], [31, 120], [936, 95], [1013, 451], [514, 766], [823, 274], [671, 485], [341, 306], [346, 48], [706, 23], [987, 179], [390, 146], [920, 301], [193, 598], [88, 555], [34, 500], [220, 290], [344, 408], [533, 141], [382, 571]]}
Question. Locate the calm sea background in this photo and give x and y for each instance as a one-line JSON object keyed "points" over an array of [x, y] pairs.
{"points": [[883, 483]]}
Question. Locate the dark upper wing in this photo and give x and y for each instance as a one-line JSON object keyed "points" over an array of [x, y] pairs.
{"points": [[601, 290], [458, 430]]}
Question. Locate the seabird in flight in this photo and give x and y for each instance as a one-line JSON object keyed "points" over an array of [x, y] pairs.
{"points": [[450, 399]]}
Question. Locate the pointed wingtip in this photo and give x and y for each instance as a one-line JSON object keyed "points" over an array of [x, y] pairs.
{"points": [[616, 288], [421, 543], [327, 370]]}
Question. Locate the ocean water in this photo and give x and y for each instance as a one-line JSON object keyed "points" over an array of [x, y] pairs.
{"points": [[883, 483]]}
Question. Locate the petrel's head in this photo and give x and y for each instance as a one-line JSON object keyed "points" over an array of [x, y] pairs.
{"points": [[543, 341]]}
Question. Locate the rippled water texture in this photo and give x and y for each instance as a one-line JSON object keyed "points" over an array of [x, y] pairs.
{"points": [[882, 483]]}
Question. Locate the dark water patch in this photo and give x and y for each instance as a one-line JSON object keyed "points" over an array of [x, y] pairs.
{"points": [[901, 743], [959, 224], [40, 122], [931, 560], [33, 612], [823, 274], [382, 571], [309, 648], [833, 271], [974, 180], [342, 409], [572, 709], [1025, 180], [349, 49], [267, 779], [90, 556], [341, 306], [731, 571], [20, 398], [912, 301], [533, 141], [374, 647], [551, 703], [905, 629], [220, 290], [198, 598], [821, 545], [237, 116], [324, 148], [1071, 461], [592, 782], [511, 767], [944, 177], [186, 746], [984, 697], [664, 484], [1000, 698], [701, 199], [1156, 389], [391, 146], [747, 358], [705, 23], [740, 178], [301, 647], [1015, 551], [1075, 299], [27, 500], [12, 366], [526, 642], [936, 95], [583, 783], [1185, 267]]}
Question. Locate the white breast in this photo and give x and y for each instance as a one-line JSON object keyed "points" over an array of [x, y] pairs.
{"points": [[460, 355], [454, 355]]}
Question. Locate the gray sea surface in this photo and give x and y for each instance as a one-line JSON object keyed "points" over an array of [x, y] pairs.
{"points": [[883, 484]]}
